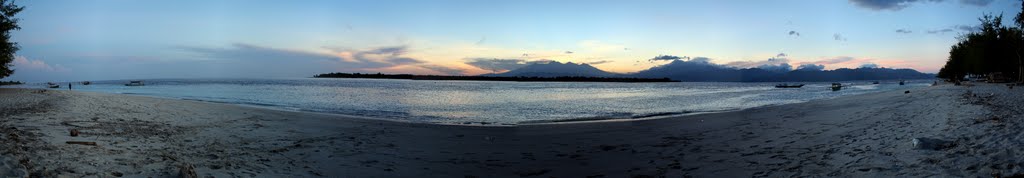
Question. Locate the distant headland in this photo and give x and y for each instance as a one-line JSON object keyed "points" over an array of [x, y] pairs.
{"points": [[494, 78], [10, 83]]}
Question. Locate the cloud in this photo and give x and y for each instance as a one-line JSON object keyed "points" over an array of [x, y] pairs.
{"points": [[968, 28], [887, 4], [704, 60], [900, 4], [965, 28], [770, 64], [443, 69], [496, 65], [841, 62], [784, 67], [667, 58], [835, 60], [811, 67], [568, 52], [541, 61], [868, 65], [22, 63], [28, 70], [794, 33], [781, 55], [940, 31], [259, 61], [838, 37], [373, 58], [345, 58], [904, 31], [598, 62], [976, 2]]}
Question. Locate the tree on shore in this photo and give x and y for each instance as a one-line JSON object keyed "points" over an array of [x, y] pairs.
{"points": [[993, 49], [1020, 28], [8, 23]]}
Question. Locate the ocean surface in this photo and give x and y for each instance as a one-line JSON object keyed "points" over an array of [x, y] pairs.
{"points": [[485, 102]]}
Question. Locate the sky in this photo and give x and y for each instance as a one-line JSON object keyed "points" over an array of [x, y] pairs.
{"points": [[128, 39]]}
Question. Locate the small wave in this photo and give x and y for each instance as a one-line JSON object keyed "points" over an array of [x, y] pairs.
{"points": [[610, 117], [660, 114], [582, 119]]}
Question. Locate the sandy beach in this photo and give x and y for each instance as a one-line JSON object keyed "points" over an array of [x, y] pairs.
{"points": [[863, 136]]}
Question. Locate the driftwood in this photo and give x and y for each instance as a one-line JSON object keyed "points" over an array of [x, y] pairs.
{"points": [[81, 143], [74, 132], [188, 171]]}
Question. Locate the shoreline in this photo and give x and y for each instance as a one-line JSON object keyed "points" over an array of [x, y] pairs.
{"points": [[859, 135], [471, 123]]}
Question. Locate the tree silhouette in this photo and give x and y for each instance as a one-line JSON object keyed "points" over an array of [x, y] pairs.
{"points": [[8, 23], [1020, 28], [993, 49], [1020, 16]]}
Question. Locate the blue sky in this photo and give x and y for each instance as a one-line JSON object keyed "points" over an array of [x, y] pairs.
{"points": [[122, 39]]}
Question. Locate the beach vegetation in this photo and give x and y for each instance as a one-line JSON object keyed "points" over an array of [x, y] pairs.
{"points": [[991, 50], [10, 83], [8, 24]]}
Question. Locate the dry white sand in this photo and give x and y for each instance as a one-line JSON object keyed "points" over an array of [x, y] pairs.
{"points": [[863, 135]]}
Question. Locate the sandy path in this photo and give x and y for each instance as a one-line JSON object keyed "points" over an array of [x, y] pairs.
{"points": [[863, 135]]}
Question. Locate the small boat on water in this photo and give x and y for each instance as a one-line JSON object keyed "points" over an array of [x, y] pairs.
{"points": [[901, 82], [836, 86], [52, 85], [135, 83], [86, 83], [788, 86], [876, 82]]}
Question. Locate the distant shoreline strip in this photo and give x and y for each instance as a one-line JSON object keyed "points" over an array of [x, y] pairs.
{"points": [[487, 78]]}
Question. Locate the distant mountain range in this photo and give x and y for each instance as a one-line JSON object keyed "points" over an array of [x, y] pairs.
{"points": [[556, 69], [703, 71]]}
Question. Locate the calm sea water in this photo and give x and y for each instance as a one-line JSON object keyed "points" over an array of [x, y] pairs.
{"points": [[491, 102]]}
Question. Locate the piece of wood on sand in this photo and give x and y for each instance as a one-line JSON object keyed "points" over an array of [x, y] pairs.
{"points": [[81, 143], [188, 171]]}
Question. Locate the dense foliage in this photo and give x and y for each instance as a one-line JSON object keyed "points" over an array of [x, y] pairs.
{"points": [[993, 49], [8, 24], [10, 83]]}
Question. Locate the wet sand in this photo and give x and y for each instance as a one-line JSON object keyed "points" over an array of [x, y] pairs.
{"points": [[861, 135]]}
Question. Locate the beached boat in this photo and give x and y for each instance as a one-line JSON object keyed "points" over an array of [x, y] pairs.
{"points": [[836, 86], [788, 86], [52, 85], [135, 83]]}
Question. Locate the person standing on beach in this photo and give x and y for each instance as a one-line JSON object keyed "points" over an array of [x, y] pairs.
{"points": [[69, 85]]}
